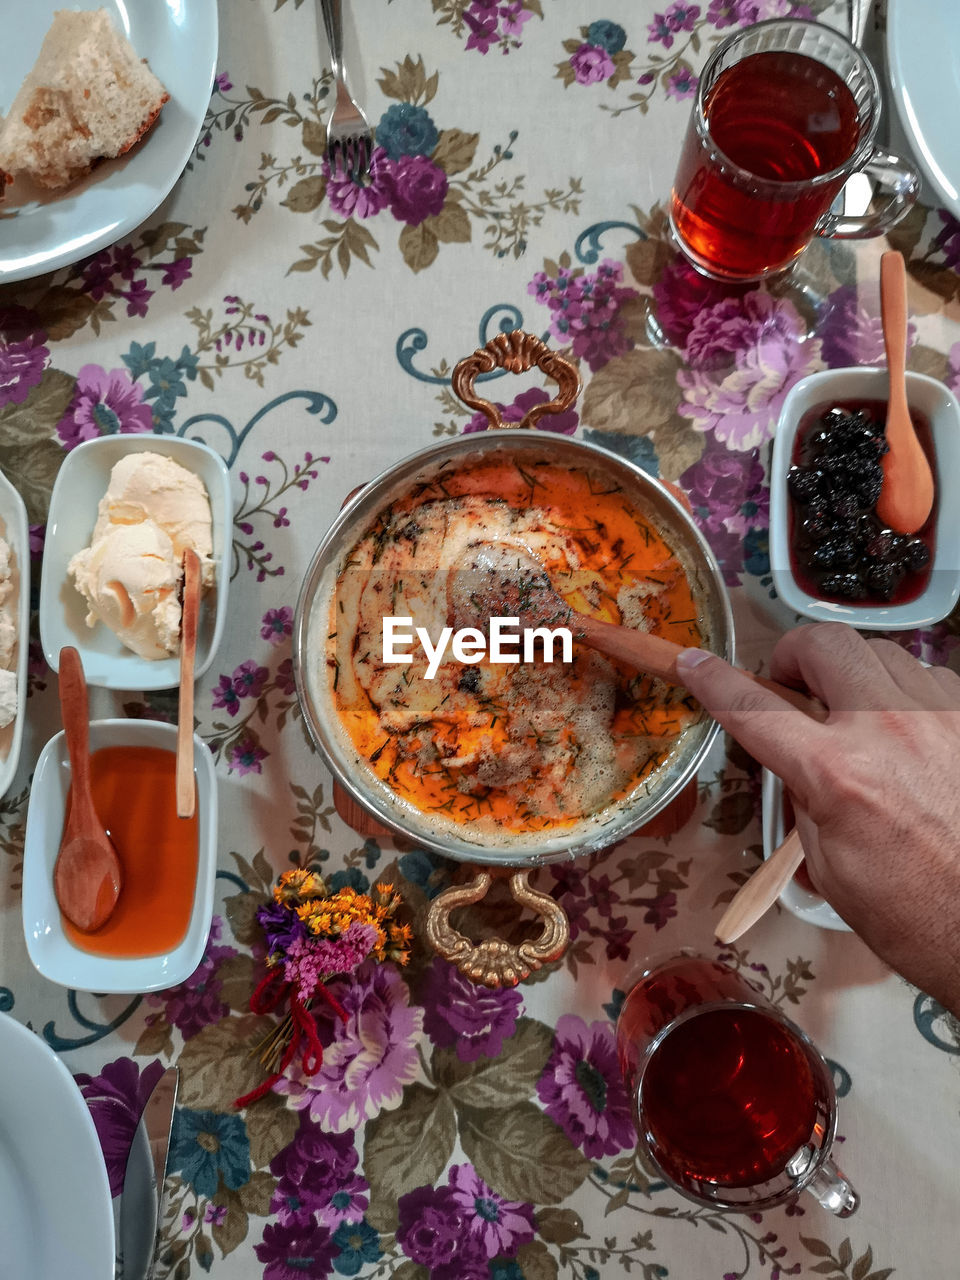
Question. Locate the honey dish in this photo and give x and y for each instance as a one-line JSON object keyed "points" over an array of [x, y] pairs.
{"points": [[830, 556], [156, 935]]}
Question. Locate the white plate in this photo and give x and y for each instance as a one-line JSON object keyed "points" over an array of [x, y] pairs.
{"points": [[57, 1214], [80, 484], [52, 953], [923, 63], [179, 40], [13, 528]]}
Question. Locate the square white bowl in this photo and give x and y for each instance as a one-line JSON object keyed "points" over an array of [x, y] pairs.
{"points": [[799, 901], [81, 482], [14, 530], [939, 406], [52, 953]]}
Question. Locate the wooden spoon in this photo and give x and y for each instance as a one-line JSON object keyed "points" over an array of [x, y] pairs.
{"points": [[906, 498], [186, 782], [755, 897], [86, 876]]}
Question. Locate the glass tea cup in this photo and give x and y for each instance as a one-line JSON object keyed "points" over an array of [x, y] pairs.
{"points": [[734, 1105], [786, 111]]}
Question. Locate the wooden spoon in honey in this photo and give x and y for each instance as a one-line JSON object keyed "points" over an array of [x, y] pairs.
{"points": [[906, 498], [87, 875], [504, 580]]}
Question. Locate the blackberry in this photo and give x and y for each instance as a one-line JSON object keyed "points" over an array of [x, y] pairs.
{"points": [[869, 484], [881, 547], [824, 556], [817, 527], [915, 555], [835, 465], [882, 578], [804, 483], [845, 505], [845, 553], [845, 585], [898, 545]]}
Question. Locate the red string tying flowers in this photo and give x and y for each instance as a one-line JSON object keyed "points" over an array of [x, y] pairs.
{"points": [[312, 936]]}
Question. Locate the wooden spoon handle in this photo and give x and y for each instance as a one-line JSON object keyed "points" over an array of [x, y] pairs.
{"points": [[75, 714], [762, 889], [658, 656], [893, 307], [186, 783]]}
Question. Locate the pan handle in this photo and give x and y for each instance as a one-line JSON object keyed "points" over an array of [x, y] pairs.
{"points": [[517, 352], [493, 962]]}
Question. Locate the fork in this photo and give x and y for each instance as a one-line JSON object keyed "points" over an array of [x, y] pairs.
{"points": [[349, 134]]}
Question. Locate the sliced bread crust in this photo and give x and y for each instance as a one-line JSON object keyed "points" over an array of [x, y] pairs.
{"points": [[88, 97]]}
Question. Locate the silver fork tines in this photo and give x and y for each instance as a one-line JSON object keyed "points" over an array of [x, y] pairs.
{"points": [[349, 156], [349, 135]]}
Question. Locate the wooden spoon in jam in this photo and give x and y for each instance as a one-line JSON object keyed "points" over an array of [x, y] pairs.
{"points": [[87, 875], [906, 498]]}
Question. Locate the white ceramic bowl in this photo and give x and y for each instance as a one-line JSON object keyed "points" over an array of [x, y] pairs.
{"points": [[52, 953], [13, 528], [797, 900], [81, 483], [939, 406]]}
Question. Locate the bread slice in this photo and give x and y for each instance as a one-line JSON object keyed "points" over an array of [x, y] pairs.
{"points": [[88, 97]]}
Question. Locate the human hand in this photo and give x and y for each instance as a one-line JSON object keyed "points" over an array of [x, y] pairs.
{"points": [[875, 787]]}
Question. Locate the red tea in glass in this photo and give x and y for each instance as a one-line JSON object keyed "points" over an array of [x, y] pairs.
{"points": [[785, 118], [786, 111], [733, 1103]]}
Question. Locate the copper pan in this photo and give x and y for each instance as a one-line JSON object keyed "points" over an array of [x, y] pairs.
{"points": [[495, 962]]}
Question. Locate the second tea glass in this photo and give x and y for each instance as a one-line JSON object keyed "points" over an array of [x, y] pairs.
{"points": [[734, 1105]]}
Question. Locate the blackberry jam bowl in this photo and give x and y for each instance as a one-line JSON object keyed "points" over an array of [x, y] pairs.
{"points": [[832, 558]]}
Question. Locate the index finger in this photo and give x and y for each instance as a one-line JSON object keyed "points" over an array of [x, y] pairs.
{"points": [[774, 732]]}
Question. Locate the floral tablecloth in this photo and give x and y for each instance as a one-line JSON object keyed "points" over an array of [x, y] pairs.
{"points": [[306, 328]]}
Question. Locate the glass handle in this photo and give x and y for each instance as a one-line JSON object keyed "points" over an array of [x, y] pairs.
{"points": [[894, 179], [833, 1191]]}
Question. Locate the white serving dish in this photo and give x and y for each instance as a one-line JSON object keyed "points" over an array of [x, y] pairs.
{"points": [[57, 1212], [923, 63], [179, 40], [939, 406], [797, 900], [14, 529], [52, 953], [81, 482]]}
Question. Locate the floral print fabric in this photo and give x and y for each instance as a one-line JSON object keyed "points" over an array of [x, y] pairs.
{"points": [[305, 326]]}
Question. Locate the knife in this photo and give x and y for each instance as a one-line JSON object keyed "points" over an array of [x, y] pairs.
{"points": [[141, 1203]]}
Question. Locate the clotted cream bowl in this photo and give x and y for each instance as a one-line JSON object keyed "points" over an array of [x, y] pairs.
{"points": [[613, 820]]}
